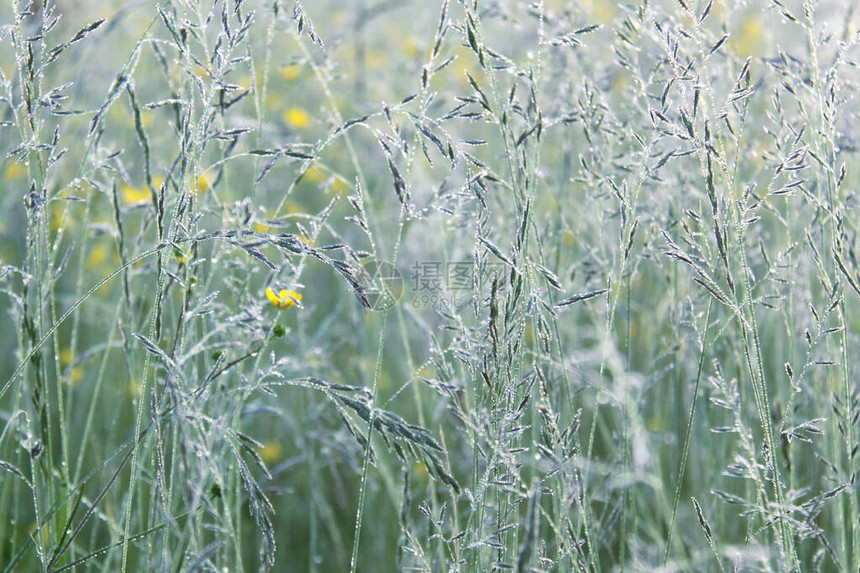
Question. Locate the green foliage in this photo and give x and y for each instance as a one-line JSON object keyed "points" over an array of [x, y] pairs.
{"points": [[453, 286]]}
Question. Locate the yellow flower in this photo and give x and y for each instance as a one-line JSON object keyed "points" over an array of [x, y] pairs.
{"points": [[339, 185], [59, 215], [376, 59], [291, 207], [297, 118], [421, 472], [204, 183], [749, 40], [146, 119], [66, 356], [291, 72], [425, 372], [284, 299], [182, 257], [134, 389], [568, 238], [271, 452], [102, 254], [602, 10], [75, 376], [14, 170], [245, 82], [133, 195], [98, 255], [315, 174], [411, 47]]}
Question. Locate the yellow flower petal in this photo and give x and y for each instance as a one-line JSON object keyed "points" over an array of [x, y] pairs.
{"points": [[289, 298], [273, 298], [133, 195], [204, 183], [284, 299], [291, 72], [14, 170], [66, 356], [297, 118], [271, 452], [749, 40], [98, 255]]}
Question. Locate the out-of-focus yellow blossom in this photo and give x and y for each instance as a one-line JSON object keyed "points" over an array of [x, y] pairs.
{"points": [[339, 186], [297, 118], [425, 372], [119, 114], [421, 472], [376, 59], [146, 117], [245, 82], [76, 373], [749, 40], [14, 171], [292, 208], [309, 241], [65, 213], [271, 452], [411, 47], [182, 256], [133, 195], [58, 215], [315, 174], [568, 238], [465, 62], [601, 10], [75, 376], [284, 299], [133, 389], [291, 72], [98, 255], [324, 177], [263, 225], [204, 183]]}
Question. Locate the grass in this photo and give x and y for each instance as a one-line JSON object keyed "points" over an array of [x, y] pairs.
{"points": [[451, 286]]}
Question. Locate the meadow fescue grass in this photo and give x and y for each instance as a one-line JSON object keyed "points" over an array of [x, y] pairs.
{"points": [[622, 240]]}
